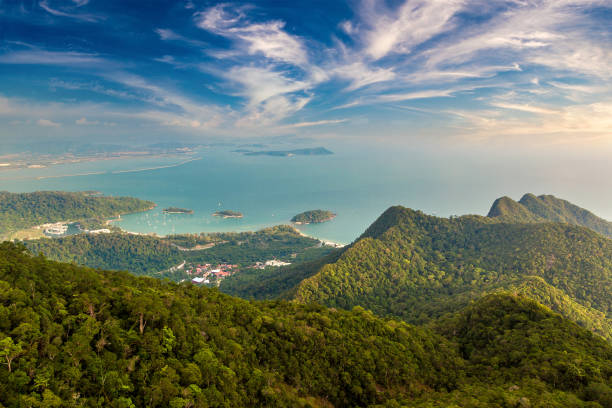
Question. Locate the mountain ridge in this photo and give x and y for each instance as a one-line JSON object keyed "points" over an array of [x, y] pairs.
{"points": [[547, 208]]}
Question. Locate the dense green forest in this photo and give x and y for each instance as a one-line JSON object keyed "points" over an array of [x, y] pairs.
{"points": [[24, 210], [407, 256], [149, 255], [547, 208], [77, 337], [313, 217], [275, 283]]}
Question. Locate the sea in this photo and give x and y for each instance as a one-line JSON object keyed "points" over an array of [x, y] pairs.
{"points": [[357, 183]]}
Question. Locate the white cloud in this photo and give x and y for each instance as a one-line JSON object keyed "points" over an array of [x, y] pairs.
{"points": [[47, 123], [36, 57], [411, 24], [44, 4], [360, 74], [431, 93], [84, 122], [257, 38], [166, 34], [261, 84], [570, 124], [525, 108], [315, 123]]}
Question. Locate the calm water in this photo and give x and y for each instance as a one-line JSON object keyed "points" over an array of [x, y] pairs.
{"points": [[357, 184]]}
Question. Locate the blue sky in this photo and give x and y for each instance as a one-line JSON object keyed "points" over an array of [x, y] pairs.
{"points": [[516, 72]]}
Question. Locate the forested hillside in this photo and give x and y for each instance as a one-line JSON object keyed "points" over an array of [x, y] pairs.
{"points": [[417, 267], [24, 210], [75, 337], [547, 208], [150, 255]]}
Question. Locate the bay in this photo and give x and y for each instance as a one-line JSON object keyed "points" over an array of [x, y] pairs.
{"points": [[356, 183]]}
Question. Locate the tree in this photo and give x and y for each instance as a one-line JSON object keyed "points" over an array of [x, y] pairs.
{"points": [[10, 351]]}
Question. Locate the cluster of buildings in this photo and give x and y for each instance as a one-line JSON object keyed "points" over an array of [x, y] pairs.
{"points": [[204, 273], [57, 228], [273, 262]]}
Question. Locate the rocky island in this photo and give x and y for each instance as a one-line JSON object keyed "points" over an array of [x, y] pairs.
{"points": [[228, 214], [177, 210], [313, 217]]}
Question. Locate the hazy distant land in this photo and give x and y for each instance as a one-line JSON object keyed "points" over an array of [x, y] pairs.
{"points": [[315, 151]]}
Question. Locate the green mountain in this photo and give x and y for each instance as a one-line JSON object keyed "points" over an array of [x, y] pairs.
{"points": [[416, 267], [547, 208], [77, 337], [24, 210], [506, 209]]}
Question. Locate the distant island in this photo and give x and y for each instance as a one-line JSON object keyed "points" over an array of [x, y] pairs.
{"points": [[315, 151], [228, 214], [176, 210], [313, 217]]}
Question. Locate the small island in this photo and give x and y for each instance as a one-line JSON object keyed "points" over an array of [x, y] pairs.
{"points": [[313, 217], [228, 214], [176, 210]]}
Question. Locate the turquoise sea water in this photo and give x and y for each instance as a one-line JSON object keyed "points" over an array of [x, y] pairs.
{"points": [[357, 184]]}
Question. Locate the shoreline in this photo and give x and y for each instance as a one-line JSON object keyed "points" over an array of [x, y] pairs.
{"points": [[323, 241], [94, 173]]}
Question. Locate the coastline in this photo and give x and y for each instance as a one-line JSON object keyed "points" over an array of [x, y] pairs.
{"points": [[94, 173], [323, 241]]}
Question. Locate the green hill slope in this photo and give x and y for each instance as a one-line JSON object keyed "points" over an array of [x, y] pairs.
{"points": [[78, 337], [151, 255], [417, 267], [71, 336], [547, 208], [508, 338]]}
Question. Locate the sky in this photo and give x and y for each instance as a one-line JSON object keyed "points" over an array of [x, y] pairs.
{"points": [[466, 72]]}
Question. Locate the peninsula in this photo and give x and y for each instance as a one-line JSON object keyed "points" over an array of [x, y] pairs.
{"points": [[177, 210], [228, 214], [313, 217]]}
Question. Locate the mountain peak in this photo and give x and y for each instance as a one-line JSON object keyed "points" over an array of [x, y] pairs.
{"points": [[507, 209]]}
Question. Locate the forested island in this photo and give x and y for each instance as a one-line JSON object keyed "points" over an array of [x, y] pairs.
{"points": [[19, 211], [177, 210], [313, 217], [228, 214]]}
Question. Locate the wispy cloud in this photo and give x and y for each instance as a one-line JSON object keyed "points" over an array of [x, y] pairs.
{"points": [[47, 123], [44, 57], [315, 123], [265, 38], [84, 122], [167, 34], [68, 12], [525, 108], [386, 31]]}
